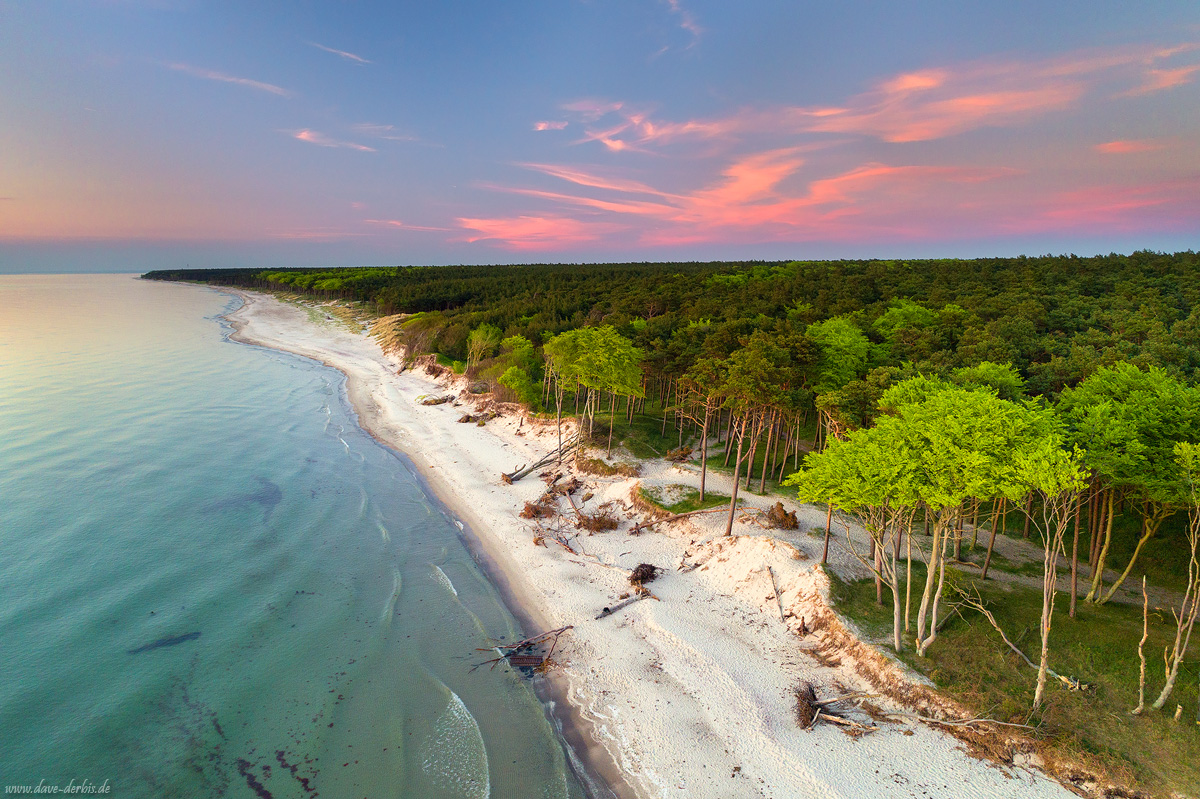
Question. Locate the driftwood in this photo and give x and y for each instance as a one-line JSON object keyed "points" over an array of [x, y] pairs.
{"points": [[810, 710], [775, 588], [517, 654], [635, 598], [637, 528], [519, 472]]}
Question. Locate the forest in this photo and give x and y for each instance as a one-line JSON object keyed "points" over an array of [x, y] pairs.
{"points": [[934, 403]]}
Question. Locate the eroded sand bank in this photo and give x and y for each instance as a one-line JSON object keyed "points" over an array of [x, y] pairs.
{"points": [[689, 696]]}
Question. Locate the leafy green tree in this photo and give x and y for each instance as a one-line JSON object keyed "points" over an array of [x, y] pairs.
{"points": [[1128, 421], [1187, 456], [752, 380], [843, 352], [966, 444], [1057, 475], [870, 474], [1002, 378], [482, 343], [599, 359], [702, 384]]}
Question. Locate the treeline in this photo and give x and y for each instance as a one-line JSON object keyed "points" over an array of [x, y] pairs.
{"points": [[1055, 319], [929, 399]]}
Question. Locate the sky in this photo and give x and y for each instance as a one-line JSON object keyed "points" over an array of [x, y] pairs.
{"points": [[139, 134]]}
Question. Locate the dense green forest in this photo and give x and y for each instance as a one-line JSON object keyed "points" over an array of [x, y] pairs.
{"points": [[924, 399]]}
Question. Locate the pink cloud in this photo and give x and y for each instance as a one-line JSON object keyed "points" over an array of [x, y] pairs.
{"points": [[1157, 80], [749, 201], [913, 106], [1162, 205], [208, 74], [321, 140], [559, 125], [1124, 146], [535, 232]]}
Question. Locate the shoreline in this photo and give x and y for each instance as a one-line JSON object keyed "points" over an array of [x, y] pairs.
{"points": [[687, 696], [589, 762]]}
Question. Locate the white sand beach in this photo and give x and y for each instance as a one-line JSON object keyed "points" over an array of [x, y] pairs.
{"points": [[688, 696]]}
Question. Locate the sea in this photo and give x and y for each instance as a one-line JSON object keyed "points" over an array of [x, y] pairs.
{"points": [[213, 583]]}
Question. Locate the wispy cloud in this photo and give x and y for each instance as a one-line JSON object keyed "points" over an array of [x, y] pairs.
{"points": [[348, 56], [209, 74], [1163, 205], [535, 232], [751, 199], [1124, 146], [550, 125], [386, 132], [396, 223], [921, 105], [321, 140], [1157, 80], [686, 21]]}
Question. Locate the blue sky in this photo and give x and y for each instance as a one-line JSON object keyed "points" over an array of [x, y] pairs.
{"points": [[162, 133]]}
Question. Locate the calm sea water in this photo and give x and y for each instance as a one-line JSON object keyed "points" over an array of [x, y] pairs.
{"points": [[213, 583]]}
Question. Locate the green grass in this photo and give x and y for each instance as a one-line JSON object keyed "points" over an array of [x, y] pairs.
{"points": [[686, 498], [970, 663], [458, 367]]}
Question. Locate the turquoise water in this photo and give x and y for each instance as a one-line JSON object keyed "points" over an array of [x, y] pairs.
{"points": [[213, 583]]}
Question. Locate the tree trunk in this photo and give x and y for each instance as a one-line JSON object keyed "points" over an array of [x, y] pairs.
{"points": [[908, 574], [1098, 573], [1185, 620], [762, 481], [729, 438], [755, 431], [704, 452], [876, 559], [1075, 555], [1141, 705], [930, 578], [931, 599], [737, 464], [828, 522], [612, 420], [958, 535], [666, 403], [1150, 525], [897, 642], [987, 559]]}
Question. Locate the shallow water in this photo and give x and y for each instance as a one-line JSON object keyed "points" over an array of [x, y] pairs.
{"points": [[213, 583]]}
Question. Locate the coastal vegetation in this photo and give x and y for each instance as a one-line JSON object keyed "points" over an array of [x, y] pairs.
{"points": [[935, 404]]}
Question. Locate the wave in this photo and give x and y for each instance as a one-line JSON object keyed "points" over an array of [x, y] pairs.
{"points": [[454, 756], [389, 609], [443, 579]]}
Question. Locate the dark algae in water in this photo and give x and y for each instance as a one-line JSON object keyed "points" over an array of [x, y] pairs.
{"points": [[168, 641]]}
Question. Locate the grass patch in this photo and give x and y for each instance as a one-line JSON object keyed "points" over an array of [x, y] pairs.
{"points": [[970, 663], [606, 469], [680, 498], [458, 367]]}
